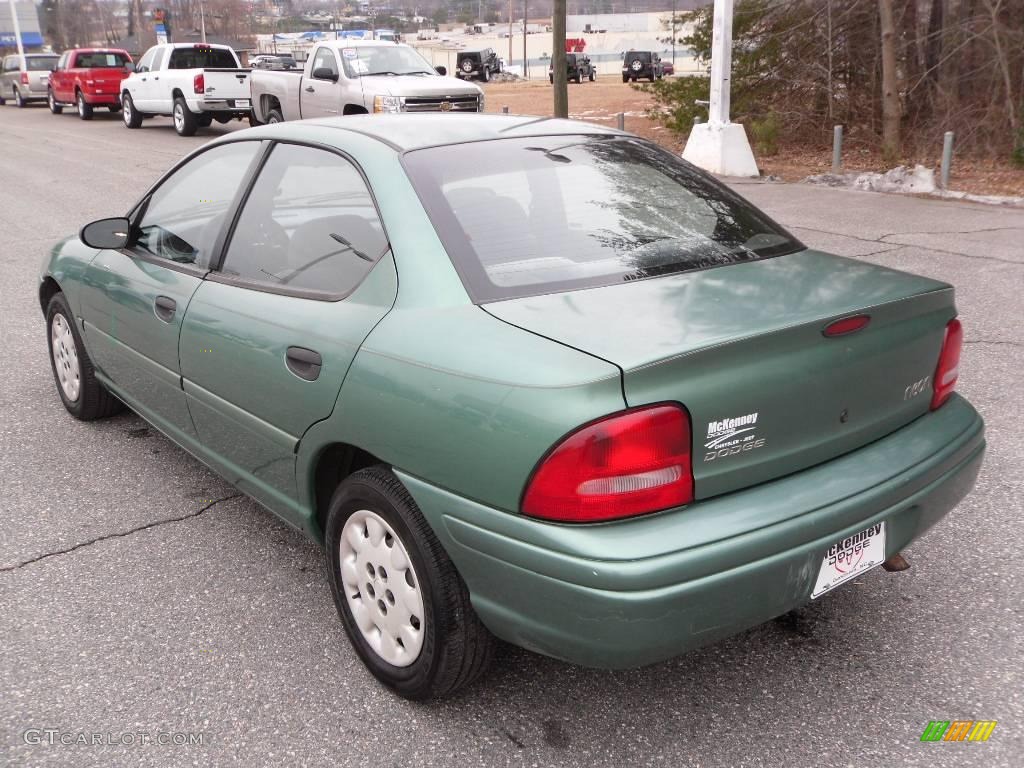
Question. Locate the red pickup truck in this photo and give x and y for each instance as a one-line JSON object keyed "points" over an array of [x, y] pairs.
{"points": [[87, 78]]}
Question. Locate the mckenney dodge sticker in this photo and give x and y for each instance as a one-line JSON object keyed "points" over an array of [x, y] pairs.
{"points": [[731, 436]]}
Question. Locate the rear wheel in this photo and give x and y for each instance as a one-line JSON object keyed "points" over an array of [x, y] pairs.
{"points": [[82, 394], [403, 604], [55, 108], [84, 109], [486, 75], [19, 100], [274, 116], [132, 119], [184, 121]]}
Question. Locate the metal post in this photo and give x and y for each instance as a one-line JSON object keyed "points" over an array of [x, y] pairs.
{"points": [[526, 12], [673, 33], [721, 62], [620, 121], [17, 36], [947, 159], [837, 148]]}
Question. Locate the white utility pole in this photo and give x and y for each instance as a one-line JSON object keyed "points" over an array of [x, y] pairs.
{"points": [[17, 35], [718, 145], [202, 20]]}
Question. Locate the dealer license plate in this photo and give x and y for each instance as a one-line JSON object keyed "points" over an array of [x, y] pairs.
{"points": [[242, 103], [851, 557]]}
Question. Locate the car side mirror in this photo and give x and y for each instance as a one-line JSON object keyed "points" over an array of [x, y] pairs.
{"points": [[325, 73], [441, 70], [106, 233]]}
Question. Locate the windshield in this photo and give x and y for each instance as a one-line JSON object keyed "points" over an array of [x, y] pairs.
{"points": [[521, 217], [101, 60], [202, 58], [384, 60], [40, 63]]}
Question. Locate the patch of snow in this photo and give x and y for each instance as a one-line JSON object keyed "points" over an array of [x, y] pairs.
{"points": [[907, 181]]}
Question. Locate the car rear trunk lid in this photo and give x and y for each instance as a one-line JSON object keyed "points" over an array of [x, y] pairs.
{"points": [[742, 347]]}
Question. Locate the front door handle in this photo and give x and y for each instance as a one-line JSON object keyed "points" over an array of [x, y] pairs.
{"points": [[310, 89], [304, 363], [165, 307]]}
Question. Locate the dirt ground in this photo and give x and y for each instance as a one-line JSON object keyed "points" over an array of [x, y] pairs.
{"points": [[600, 101]]}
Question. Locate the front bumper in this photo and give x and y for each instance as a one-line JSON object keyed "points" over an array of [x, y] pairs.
{"points": [[635, 592]]}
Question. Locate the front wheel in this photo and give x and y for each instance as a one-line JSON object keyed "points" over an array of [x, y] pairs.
{"points": [[82, 394], [132, 118], [274, 116], [185, 122], [404, 606], [55, 108], [592, 76], [84, 108]]}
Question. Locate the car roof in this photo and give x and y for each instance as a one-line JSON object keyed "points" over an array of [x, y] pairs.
{"points": [[416, 131], [358, 42]]}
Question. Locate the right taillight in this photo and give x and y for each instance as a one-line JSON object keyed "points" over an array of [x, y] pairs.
{"points": [[630, 463], [199, 84], [948, 369]]}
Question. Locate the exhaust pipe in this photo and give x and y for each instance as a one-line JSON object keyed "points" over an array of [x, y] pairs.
{"points": [[896, 563]]}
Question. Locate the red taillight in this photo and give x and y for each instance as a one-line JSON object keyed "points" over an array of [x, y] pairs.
{"points": [[846, 325], [627, 464], [199, 83], [24, 78], [948, 369]]}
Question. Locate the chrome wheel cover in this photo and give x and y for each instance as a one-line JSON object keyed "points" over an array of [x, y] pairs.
{"points": [[381, 588], [81, 105], [65, 357], [179, 118], [126, 110]]}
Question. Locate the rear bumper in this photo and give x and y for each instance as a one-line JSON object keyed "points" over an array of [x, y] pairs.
{"points": [[636, 592], [102, 99], [220, 106]]}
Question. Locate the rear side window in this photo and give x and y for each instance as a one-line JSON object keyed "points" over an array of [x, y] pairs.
{"points": [[309, 225], [40, 63], [526, 216], [202, 58]]}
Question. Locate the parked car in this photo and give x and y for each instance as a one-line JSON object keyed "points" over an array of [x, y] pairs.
{"points": [[348, 77], [28, 83], [287, 60], [266, 61], [477, 64], [88, 78], [638, 64], [193, 83], [513, 393], [578, 68], [667, 68]]}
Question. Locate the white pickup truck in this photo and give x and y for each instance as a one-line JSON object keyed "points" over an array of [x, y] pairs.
{"points": [[349, 77], [194, 83]]}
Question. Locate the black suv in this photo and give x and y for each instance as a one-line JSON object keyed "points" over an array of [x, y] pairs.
{"points": [[482, 64], [577, 67], [637, 64]]}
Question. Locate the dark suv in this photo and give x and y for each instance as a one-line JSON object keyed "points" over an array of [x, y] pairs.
{"points": [[482, 64], [577, 67], [637, 64]]}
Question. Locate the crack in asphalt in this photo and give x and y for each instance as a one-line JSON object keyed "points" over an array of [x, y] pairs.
{"points": [[897, 246], [994, 341], [118, 535]]}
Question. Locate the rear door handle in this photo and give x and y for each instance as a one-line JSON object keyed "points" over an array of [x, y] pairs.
{"points": [[165, 307], [304, 363]]}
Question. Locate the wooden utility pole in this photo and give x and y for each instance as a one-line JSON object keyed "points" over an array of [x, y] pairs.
{"points": [[558, 68], [890, 92]]}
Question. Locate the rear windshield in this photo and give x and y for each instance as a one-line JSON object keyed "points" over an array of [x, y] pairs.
{"points": [[527, 216], [642, 55], [104, 60], [202, 58], [40, 63]]}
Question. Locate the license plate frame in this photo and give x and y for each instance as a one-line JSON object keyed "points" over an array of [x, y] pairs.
{"points": [[243, 103], [850, 557]]}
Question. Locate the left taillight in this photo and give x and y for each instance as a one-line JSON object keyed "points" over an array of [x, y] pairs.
{"points": [[627, 464], [24, 78], [199, 84], [948, 369]]}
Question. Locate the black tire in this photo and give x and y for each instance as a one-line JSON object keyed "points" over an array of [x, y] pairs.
{"points": [[274, 116], [593, 76], [551, 79], [51, 101], [625, 79], [2, 100], [486, 76], [93, 400], [132, 117], [185, 123], [253, 121], [84, 107], [19, 100], [579, 77], [456, 646]]}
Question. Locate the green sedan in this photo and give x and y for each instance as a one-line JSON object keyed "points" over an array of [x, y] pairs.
{"points": [[535, 380]]}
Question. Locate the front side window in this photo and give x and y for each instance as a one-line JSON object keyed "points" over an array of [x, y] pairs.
{"points": [[183, 217], [309, 224], [325, 60], [147, 61], [525, 216]]}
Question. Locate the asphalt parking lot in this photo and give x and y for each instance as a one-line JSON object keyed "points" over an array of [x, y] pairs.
{"points": [[140, 593]]}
